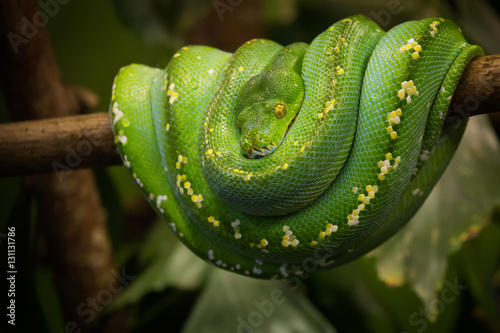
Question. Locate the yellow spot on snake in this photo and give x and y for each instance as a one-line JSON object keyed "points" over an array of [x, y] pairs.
{"points": [[289, 238]]}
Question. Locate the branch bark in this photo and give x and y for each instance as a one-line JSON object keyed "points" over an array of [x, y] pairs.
{"points": [[62, 144], [70, 215]]}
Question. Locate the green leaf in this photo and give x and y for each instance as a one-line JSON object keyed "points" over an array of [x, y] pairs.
{"points": [[457, 209], [166, 263], [480, 263], [234, 303]]}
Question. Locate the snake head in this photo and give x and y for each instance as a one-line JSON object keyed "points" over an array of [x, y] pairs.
{"points": [[267, 105]]}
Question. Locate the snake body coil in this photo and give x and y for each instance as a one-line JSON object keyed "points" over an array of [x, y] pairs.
{"points": [[367, 145]]}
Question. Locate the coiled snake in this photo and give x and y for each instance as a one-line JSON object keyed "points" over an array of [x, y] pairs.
{"points": [[277, 160]]}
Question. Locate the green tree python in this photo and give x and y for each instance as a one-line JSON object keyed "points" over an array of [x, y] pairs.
{"points": [[274, 161]]}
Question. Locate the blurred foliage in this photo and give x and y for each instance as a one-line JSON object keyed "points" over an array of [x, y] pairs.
{"points": [[441, 273]]}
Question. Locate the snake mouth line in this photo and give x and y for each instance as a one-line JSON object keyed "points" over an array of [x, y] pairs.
{"points": [[255, 153]]}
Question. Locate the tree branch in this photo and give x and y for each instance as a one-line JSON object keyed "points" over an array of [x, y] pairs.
{"points": [[70, 215], [61, 144]]}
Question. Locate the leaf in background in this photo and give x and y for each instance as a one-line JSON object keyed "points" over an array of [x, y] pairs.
{"points": [[480, 262], [479, 21], [456, 210], [166, 263], [234, 303]]}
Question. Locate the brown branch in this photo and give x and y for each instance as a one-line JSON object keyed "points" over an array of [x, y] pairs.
{"points": [[62, 144], [57, 144], [70, 215]]}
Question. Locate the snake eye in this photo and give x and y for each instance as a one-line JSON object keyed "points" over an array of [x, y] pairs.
{"points": [[280, 111]]}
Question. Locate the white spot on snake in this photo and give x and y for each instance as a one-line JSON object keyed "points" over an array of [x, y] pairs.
{"points": [[415, 191], [172, 225], [118, 114], [393, 117], [259, 262], [176, 55], [211, 254], [283, 270], [324, 263], [211, 71], [425, 155], [138, 181], [122, 139], [126, 162], [257, 270], [236, 229], [159, 200]]}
